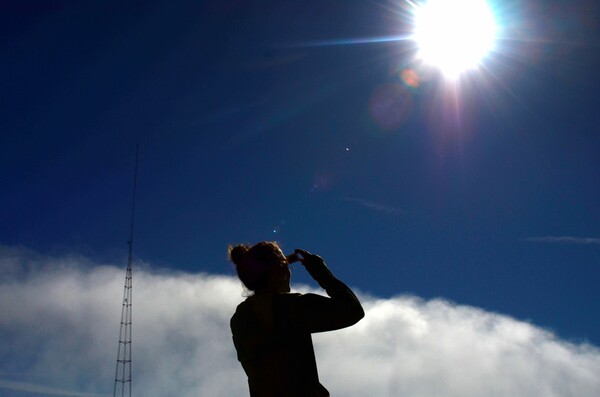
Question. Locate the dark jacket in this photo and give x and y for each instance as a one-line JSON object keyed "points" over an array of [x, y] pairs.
{"points": [[272, 335]]}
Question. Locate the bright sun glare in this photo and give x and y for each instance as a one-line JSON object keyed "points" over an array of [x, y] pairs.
{"points": [[454, 35]]}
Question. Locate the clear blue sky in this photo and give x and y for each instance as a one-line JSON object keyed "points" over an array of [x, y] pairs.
{"points": [[254, 125]]}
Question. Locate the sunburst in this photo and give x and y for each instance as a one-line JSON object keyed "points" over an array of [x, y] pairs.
{"points": [[454, 35]]}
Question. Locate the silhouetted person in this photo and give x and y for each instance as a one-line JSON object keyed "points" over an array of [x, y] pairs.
{"points": [[272, 328]]}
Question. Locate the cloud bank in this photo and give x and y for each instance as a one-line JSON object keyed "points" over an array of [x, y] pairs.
{"points": [[59, 327]]}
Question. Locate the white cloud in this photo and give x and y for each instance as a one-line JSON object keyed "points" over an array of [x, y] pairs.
{"points": [[44, 390], [563, 240], [59, 328]]}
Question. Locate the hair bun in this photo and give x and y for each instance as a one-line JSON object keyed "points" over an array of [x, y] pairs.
{"points": [[238, 253]]}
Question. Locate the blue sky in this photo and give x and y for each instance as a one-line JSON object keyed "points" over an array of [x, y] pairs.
{"points": [[258, 121]]}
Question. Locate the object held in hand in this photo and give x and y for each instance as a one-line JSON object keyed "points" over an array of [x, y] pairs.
{"points": [[291, 258]]}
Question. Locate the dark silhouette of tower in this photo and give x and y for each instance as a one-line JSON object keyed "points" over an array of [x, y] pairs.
{"points": [[123, 371]]}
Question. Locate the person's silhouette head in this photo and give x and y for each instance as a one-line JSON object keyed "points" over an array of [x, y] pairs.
{"points": [[262, 267]]}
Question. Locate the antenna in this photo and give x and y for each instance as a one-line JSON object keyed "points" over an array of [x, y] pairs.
{"points": [[123, 371]]}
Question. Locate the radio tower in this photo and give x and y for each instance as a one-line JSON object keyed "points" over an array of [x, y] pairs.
{"points": [[123, 371]]}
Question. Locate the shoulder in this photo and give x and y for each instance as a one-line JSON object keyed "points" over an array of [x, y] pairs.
{"points": [[242, 310], [243, 305]]}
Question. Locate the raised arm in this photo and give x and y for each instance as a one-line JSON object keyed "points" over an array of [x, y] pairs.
{"points": [[341, 309]]}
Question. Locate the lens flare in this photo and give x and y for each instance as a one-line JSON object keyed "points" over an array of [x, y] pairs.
{"points": [[390, 106], [410, 78]]}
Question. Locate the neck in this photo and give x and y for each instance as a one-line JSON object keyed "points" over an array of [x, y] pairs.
{"points": [[274, 289]]}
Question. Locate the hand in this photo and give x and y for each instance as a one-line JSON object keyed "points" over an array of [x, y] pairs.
{"points": [[315, 265], [309, 260]]}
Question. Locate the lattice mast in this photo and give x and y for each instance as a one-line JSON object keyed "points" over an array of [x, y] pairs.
{"points": [[123, 371]]}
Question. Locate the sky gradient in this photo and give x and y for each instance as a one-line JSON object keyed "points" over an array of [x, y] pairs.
{"points": [[302, 122]]}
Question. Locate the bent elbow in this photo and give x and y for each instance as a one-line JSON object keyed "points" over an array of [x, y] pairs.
{"points": [[356, 314], [360, 314]]}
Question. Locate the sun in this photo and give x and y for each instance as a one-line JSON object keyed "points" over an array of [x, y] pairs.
{"points": [[454, 35]]}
